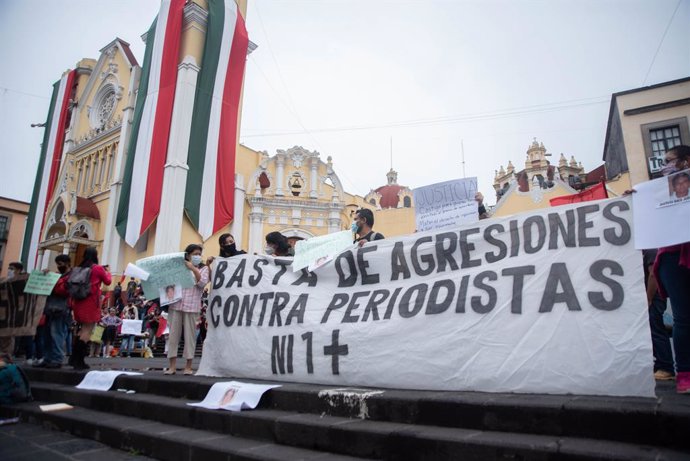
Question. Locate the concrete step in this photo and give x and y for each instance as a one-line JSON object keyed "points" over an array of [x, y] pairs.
{"points": [[663, 421], [159, 440], [348, 436]]}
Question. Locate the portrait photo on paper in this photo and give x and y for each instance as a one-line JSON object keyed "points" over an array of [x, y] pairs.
{"points": [[678, 190], [170, 294]]}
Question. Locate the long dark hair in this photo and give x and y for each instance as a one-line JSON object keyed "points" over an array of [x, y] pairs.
{"points": [[280, 241], [90, 257]]}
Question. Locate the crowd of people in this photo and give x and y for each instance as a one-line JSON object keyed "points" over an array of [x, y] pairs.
{"points": [[87, 322]]}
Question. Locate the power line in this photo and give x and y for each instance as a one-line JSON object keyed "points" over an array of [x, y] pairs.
{"points": [[505, 113], [4, 89], [663, 37]]}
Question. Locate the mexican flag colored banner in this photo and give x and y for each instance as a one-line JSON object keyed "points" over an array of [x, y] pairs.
{"points": [[210, 192], [48, 166], [148, 147]]}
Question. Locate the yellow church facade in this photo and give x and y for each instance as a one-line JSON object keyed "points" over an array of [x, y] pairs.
{"points": [[294, 191]]}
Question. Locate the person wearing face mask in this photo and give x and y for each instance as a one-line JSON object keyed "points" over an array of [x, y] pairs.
{"points": [[228, 247], [363, 227], [183, 315], [277, 245], [672, 273], [58, 317]]}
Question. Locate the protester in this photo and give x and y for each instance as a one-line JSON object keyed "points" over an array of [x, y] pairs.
{"points": [[183, 314], [152, 321], [131, 288], [228, 246], [481, 209], [58, 317], [86, 310], [661, 339], [111, 322], [7, 342], [277, 244], [117, 297], [363, 227], [672, 273], [127, 344], [20, 345]]}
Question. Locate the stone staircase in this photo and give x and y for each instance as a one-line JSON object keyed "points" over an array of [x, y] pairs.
{"points": [[312, 422]]}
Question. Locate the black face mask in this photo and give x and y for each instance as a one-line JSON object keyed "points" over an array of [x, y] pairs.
{"points": [[228, 250], [62, 269]]}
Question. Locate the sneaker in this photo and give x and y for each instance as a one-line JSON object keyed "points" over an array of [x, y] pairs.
{"points": [[663, 375], [683, 382]]}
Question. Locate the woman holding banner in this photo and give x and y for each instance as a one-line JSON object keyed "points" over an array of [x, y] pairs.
{"points": [[183, 314], [87, 310], [672, 272]]}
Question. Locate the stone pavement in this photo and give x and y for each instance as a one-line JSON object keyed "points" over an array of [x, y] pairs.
{"points": [[23, 441]]}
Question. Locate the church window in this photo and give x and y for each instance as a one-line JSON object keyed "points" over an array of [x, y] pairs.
{"points": [[407, 201]]}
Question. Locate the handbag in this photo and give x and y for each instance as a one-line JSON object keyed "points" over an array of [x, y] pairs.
{"points": [[97, 334]]}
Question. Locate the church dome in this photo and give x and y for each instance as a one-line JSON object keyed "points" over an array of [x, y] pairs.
{"points": [[389, 195]]}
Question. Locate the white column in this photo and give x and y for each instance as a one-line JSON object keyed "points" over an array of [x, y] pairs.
{"points": [[47, 257], [256, 238], [39, 259], [280, 173], [334, 218], [65, 248], [169, 223], [314, 177], [113, 245], [238, 220]]}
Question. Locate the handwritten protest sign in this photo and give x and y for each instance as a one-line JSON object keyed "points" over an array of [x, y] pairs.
{"points": [[445, 204], [661, 215], [41, 283], [131, 327], [308, 253], [550, 301], [164, 270], [20, 312]]}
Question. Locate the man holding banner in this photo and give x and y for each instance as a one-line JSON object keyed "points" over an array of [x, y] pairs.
{"points": [[58, 317]]}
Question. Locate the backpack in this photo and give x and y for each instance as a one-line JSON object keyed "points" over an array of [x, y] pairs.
{"points": [[79, 283], [14, 385]]}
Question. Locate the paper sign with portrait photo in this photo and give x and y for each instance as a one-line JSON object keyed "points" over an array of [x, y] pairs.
{"points": [[233, 396], [677, 191], [170, 294], [660, 218]]}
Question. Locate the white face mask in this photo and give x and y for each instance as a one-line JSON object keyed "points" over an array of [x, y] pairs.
{"points": [[196, 259], [10, 273], [269, 250]]}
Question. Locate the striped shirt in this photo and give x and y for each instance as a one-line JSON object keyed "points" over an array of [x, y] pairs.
{"points": [[191, 297]]}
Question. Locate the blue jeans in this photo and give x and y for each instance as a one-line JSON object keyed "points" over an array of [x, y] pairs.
{"points": [[55, 338], [661, 340], [127, 345], [676, 282]]}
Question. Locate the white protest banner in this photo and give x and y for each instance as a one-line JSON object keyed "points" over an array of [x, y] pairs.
{"points": [[20, 312], [41, 283], [137, 272], [102, 380], [164, 270], [308, 253], [445, 204], [662, 213], [131, 327], [234, 396], [550, 301]]}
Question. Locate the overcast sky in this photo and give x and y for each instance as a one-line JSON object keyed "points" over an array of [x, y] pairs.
{"points": [[345, 77]]}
